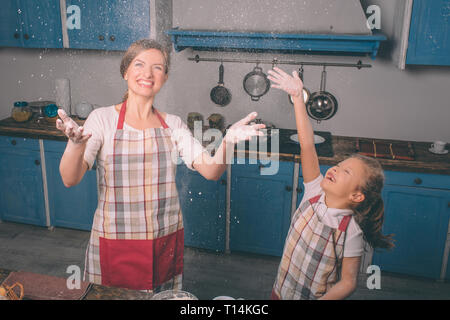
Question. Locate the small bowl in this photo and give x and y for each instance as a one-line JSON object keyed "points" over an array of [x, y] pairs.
{"points": [[174, 295]]}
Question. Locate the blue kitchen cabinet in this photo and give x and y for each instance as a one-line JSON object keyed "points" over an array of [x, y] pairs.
{"points": [[107, 25], [10, 25], [429, 39], [260, 208], [22, 196], [203, 204], [72, 207], [418, 214], [31, 24]]}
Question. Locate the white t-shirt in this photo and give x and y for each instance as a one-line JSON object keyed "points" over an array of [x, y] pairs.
{"points": [[102, 123], [354, 242]]}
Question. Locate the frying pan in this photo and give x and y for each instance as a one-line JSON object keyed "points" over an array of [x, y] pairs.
{"points": [[219, 94], [322, 105], [306, 92], [256, 83]]}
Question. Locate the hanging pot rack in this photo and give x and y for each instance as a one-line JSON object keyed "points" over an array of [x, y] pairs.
{"points": [[275, 62]]}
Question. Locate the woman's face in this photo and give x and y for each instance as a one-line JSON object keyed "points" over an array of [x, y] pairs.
{"points": [[146, 74], [344, 180]]}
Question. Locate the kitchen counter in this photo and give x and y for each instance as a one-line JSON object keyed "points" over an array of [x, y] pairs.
{"points": [[425, 161], [98, 292]]}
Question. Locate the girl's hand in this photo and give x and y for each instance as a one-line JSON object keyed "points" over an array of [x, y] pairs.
{"points": [[241, 130], [71, 129], [293, 85]]}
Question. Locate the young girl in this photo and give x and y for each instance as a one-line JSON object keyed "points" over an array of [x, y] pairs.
{"points": [[338, 212]]}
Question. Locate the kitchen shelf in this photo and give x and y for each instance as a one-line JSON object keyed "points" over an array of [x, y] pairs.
{"points": [[276, 42]]}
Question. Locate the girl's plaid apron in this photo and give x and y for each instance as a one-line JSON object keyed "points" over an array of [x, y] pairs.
{"points": [[312, 256], [137, 238]]}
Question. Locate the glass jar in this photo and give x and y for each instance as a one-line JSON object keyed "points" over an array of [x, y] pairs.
{"points": [[21, 112]]}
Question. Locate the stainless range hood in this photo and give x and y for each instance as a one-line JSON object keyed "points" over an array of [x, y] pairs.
{"points": [[325, 26]]}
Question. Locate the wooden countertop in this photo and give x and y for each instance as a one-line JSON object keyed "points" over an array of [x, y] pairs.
{"points": [[98, 292], [425, 161]]}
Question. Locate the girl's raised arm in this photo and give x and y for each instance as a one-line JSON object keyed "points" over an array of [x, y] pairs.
{"points": [[293, 85]]}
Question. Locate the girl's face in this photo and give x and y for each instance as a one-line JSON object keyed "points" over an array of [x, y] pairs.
{"points": [[344, 180], [146, 74]]}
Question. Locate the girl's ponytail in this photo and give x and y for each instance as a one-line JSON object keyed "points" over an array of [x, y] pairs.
{"points": [[369, 214]]}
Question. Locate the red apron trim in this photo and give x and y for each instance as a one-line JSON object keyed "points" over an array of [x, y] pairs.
{"points": [[141, 264], [314, 199], [344, 223]]}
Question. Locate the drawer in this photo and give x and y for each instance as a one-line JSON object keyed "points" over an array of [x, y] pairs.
{"points": [[19, 143], [423, 180], [54, 146], [263, 167]]}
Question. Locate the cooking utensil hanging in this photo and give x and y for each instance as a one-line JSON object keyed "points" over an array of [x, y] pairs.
{"points": [[219, 94], [322, 105], [306, 92], [256, 83]]}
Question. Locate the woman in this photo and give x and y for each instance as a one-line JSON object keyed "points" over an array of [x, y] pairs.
{"points": [[137, 238]]}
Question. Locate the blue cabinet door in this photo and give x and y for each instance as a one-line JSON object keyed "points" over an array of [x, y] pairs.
{"points": [[42, 24], [72, 207], [429, 38], [30, 24], [108, 24], [419, 218], [260, 208], [203, 205], [86, 24], [10, 24], [22, 195]]}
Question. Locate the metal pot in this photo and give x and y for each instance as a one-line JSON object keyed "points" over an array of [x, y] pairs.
{"points": [[322, 105], [256, 83], [306, 92], [219, 94]]}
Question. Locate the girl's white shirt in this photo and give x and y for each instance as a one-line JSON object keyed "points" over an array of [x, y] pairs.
{"points": [[354, 241]]}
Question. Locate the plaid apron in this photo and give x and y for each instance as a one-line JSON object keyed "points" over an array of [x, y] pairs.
{"points": [[137, 238], [312, 256]]}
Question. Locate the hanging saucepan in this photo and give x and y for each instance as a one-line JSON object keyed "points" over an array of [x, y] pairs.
{"points": [[322, 105], [306, 93], [256, 83], [219, 94]]}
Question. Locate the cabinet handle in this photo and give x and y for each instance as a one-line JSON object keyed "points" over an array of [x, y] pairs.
{"points": [[13, 142], [112, 38], [299, 190], [16, 35], [101, 37], [26, 36], [37, 162], [418, 181], [223, 182], [448, 205], [288, 188]]}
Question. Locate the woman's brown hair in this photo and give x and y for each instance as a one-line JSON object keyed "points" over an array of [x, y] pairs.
{"points": [[369, 214], [135, 49]]}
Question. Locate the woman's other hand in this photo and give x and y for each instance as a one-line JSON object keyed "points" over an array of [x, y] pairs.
{"points": [[241, 130], [293, 85], [71, 129]]}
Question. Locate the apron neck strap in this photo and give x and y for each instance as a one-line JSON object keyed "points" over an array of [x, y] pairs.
{"points": [[122, 117]]}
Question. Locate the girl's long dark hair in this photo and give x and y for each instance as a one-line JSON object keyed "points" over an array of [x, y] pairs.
{"points": [[369, 214], [137, 47]]}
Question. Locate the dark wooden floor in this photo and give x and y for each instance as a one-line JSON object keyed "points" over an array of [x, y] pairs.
{"points": [[206, 274]]}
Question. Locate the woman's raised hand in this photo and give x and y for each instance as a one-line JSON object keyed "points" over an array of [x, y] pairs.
{"points": [[71, 129], [241, 130], [293, 85]]}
